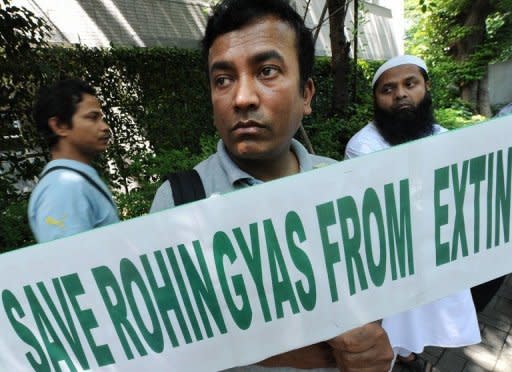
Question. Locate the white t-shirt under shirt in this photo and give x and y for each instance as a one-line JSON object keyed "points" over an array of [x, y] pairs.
{"points": [[448, 322]]}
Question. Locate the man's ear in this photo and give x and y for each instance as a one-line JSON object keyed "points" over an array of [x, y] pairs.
{"points": [[428, 85], [60, 129], [309, 93]]}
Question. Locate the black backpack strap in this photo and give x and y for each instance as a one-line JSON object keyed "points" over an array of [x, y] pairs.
{"points": [[85, 176], [186, 186]]}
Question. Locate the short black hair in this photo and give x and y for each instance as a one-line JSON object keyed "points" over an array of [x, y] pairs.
{"points": [[59, 100], [231, 15]]}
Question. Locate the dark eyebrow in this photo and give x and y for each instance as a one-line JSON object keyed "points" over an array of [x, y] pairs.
{"points": [[255, 59], [95, 113], [411, 77], [221, 65], [407, 79], [265, 56], [391, 84]]}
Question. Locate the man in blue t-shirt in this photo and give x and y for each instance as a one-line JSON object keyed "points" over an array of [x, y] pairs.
{"points": [[70, 197]]}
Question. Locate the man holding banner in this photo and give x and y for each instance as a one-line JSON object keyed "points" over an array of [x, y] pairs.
{"points": [[70, 196], [260, 56], [403, 112]]}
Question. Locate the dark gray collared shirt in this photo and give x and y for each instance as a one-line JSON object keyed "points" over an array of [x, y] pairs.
{"points": [[221, 175]]}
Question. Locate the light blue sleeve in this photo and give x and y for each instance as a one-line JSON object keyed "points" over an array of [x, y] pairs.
{"points": [[163, 198], [61, 209]]}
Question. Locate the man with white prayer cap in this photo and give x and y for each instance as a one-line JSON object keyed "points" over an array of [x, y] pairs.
{"points": [[402, 107], [403, 112]]}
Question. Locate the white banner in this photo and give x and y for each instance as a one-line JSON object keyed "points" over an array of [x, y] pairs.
{"points": [[236, 278]]}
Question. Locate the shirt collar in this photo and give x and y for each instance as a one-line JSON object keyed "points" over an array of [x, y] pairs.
{"points": [[86, 168], [238, 176]]}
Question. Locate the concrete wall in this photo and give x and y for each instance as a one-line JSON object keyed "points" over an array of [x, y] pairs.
{"points": [[500, 83], [381, 34], [98, 23], [146, 23]]}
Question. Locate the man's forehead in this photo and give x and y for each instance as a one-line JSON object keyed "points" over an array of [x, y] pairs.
{"points": [[398, 61], [262, 34], [89, 102]]}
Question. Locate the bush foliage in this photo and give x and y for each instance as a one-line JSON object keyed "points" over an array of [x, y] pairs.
{"points": [[156, 101]]}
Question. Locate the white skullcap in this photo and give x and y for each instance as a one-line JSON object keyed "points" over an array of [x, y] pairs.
{"points": [[398, 61]]}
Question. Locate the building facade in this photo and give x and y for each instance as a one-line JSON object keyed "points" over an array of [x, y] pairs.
{"points": [[180, 23], [500, 83]]}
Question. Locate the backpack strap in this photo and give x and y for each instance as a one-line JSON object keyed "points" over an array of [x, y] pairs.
{"points": [[85, 176], [186, 186]]}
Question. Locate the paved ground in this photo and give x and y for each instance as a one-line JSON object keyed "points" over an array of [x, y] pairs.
{"points": [[494, 353]]}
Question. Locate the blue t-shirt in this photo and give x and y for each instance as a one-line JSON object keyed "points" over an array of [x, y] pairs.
{"points": [[64, 203]]}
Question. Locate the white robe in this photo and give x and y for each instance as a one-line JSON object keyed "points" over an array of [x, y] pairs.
{"points": [[448, 322]]}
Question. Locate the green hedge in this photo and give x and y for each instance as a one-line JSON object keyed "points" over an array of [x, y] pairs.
{"points": [[157, 102]]}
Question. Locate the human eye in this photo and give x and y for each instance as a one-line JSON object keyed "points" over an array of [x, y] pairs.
{"points": [[411, 83], [386, 89], [269, 71], [94, 116], [221, 81]]}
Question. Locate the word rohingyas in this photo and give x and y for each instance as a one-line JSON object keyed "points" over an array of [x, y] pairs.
{"points": [[184, 294], [267, 270]]}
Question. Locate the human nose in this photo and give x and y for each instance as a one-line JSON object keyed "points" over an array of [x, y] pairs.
{"points": [[246, 96], [400, 93], [103, 125]]}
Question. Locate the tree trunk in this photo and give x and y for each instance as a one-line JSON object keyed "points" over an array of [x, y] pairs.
{"points": [[320, 23], [469, 93], [302, 130], [356, 47], [484, 103], [474, 20], [340, 48]]}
